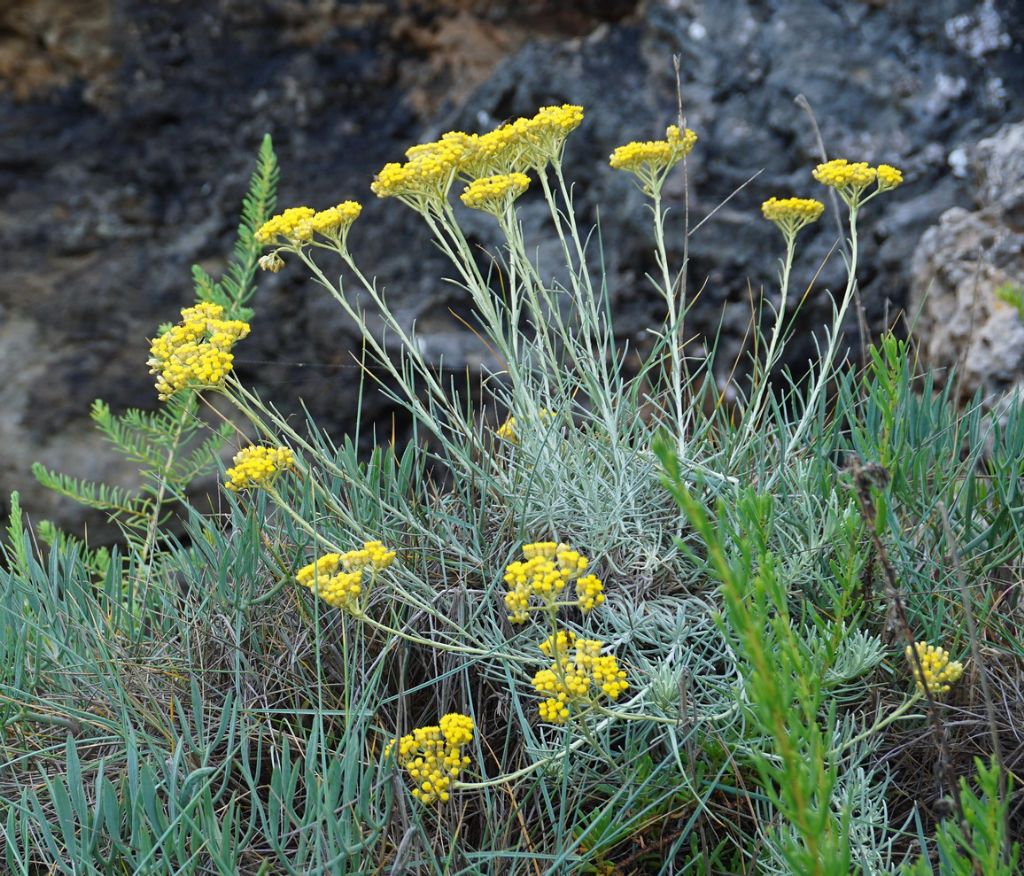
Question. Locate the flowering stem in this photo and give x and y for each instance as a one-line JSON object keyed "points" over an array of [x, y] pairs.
{"points": [[893, 716], [154, 522], [674, 312], [826, 362], [753, 411]]}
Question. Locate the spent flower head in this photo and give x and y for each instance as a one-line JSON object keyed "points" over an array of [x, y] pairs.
{"points": [[258, 467], [196, 352], [271, 262], [432, 756], [939, 671]]}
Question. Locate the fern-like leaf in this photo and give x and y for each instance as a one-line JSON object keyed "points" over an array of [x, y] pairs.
{"points": [[257, 207], [102, 497]]}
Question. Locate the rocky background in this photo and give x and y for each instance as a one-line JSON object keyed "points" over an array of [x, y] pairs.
{"points": [[128, 130]]}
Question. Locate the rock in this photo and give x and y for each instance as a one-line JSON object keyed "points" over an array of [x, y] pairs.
{"points": [[126, 143], [959, 269]]}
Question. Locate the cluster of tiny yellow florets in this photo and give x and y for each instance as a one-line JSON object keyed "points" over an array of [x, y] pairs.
{"points": [[543, 577], [293, 226], [428, 174], [339, 589], [423, 181], [495, 194], [939, 671], [338, 579], [258, 466], [577, 676], [372, 555], [651, 160], [296, 226], [196, 351], [507, 430], [851, 179], [432, 756], [792, 214]]}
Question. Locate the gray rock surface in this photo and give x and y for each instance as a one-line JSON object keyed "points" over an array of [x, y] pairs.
{"points": [[127, 131], [961, 264]]}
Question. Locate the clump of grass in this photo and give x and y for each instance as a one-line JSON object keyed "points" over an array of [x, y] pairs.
{"points": [[398, 664]]}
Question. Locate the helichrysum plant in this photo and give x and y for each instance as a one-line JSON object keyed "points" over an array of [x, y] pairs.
{"points": [[698, 686]]}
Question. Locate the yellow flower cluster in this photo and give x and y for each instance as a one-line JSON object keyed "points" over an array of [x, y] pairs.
{"points": [[939, 671], [292, 226], [888, 177], [432, 756], [423, 181], [372, 555], [850, 180], [428, 174], [495, 194], [297, 225], [651, 160], [576, 677], [196, 351], [258, 466], [507, 430], [338, 578], [547, 569], [792, 214], [339, 589]]}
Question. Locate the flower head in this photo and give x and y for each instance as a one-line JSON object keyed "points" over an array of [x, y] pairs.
{"points": [[292, 227], [423, 181], [541, 578], [507, 431], [335, 222], [651, 160], [372, 556], [888, 177], [343, 580], [432, 756], [197, 351], [577, 676], [939, 671], [840, 174], [792, 214], [495, 194], [547, 131], [526, 143], [258, 467], [339, 589]]}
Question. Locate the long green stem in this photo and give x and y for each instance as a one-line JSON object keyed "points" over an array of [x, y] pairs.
{"points": [[825, 367], [674, 307], [753, 411]]}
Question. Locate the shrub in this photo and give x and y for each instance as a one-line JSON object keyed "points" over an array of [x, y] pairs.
{"points": [[600, 621]]}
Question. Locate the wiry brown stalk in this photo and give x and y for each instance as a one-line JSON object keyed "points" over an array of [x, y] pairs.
{"points": [[986, 690], [865, 477]]}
